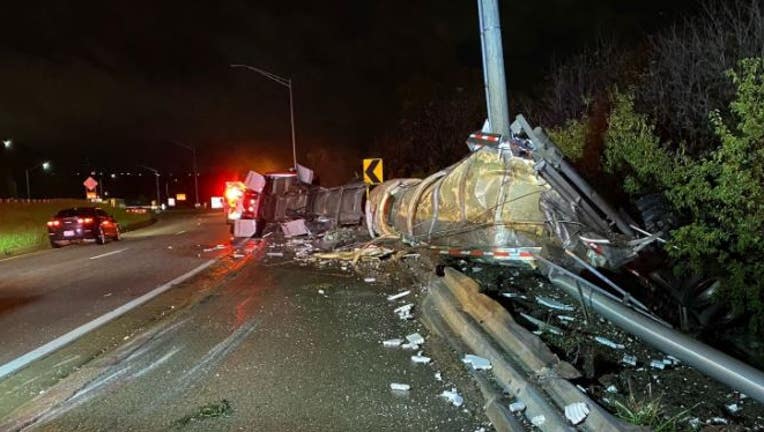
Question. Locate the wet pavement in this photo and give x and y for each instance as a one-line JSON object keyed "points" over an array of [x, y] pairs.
{"points": [[276, 346]]}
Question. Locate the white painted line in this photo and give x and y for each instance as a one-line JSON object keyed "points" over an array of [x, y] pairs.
{"points": [[180, 232], [24, 360], [108, 253]]}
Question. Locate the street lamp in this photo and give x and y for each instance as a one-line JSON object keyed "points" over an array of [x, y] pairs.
{"points": [[156, 174], [45, 166], [286, 83], [196, 173], [7, 143]]}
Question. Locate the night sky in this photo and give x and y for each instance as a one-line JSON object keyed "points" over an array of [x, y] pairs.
{"points": [[108, 85]]}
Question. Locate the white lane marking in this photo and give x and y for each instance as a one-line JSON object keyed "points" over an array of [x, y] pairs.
{"points": [[24, 360], [108, 253], [180, 232]]}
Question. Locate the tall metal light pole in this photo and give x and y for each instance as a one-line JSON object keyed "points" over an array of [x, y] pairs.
{"points": [[493, 66], [156, 176], [286, 82], [45, 165], [196, 172]]}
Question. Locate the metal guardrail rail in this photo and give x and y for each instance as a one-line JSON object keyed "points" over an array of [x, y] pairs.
{"points": [[634, 320]]}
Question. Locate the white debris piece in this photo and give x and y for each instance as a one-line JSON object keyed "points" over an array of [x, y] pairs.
{"points": [[369, 279], [553, 304], [410, 346], [477, 362], [609, 343], [275, 254], [538, 420], [671, 360], [400, 387], [629, 359], [657, 364], [513, 295], [611, 389], [415, 338], [694, 423], [542, 325], [392, 343], [718, 421], [733, 408], [419, 358], [565, 318], [294, 228], [397, 296], [404, 312], [453, 397], [237, 255], [477, 269], [322, 292], [438, 376], [517, 407], [576, 412]]}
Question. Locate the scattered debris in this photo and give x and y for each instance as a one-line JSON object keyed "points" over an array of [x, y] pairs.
{"points": [[419, 358], [611, 389], [404, 312], [400, 387], [275, 254], [294, 228], [511, 295], [477, 362], [538, 420], [397, 296], [630, 360], [238, 255], [453, 397], [322, 292], [516, 407], [541, 325], [438, 376], [554, 304], [657, 364], [477, 269], [565, 318], [410, 346], [392, 343], [369, 279], [369, 252], [694, 423], [576, 412], [733, 408], [609, 343], [415, 338], [718, 421]]}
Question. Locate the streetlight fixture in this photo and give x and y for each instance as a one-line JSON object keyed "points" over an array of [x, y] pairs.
{"points": [[286, 83], [7, 143], [45, 166], [196, 173], [156, 176]]}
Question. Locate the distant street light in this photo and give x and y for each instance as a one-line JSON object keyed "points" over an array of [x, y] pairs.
{"points": [[196, 173], [286, 83], [45, 166], [7, 143], [156, 174]]}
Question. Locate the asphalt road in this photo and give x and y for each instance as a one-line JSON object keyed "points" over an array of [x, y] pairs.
{"points": [[46, 294], [274, 346]]}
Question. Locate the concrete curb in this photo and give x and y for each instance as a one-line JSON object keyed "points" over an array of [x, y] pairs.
{"points": [[528, 351]]}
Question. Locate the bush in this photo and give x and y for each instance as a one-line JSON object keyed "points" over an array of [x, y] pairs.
{"points": [[571, 138]]}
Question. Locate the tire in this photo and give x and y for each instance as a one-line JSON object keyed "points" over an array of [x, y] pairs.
{"points": [[101, 237]]}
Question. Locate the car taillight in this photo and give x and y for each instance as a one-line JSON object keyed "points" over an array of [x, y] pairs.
{"points": [[87, 220], [54, 223]]}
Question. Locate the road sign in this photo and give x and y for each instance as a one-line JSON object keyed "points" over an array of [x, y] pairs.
{"points": [[372, 171], [180, 197], [90, 183]]}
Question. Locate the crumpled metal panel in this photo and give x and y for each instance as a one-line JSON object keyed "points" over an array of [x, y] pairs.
{"points": [[344, 204], [489, 199]]}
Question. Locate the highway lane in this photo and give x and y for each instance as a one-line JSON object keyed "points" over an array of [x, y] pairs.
{"points": [[47, 294]]}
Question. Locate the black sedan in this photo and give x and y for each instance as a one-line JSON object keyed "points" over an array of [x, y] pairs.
{"points": [[82, 224]]}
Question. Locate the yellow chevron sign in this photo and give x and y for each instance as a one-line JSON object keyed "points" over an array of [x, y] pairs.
{"points": [[372, 171]]}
